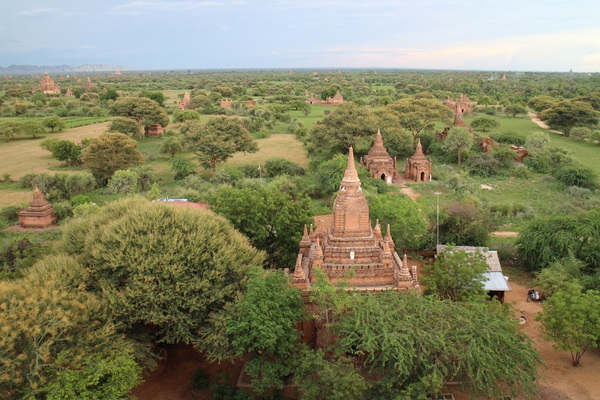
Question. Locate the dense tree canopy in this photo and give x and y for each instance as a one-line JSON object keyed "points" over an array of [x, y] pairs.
{"points": [[419, 114], [568, 114], [160, 265], [143, 111], [272, 220], [407, 345], [110, 152], [217, 139], [459, 140], [54, 122], [52, 329]]}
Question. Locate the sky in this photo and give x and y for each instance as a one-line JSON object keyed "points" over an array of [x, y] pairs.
{"points": [[507, 35]]}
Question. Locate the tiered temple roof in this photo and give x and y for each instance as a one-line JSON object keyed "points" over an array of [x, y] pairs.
{"points": [[185, 101], [349, 249], [379, 162], [47, 85], [418, 167]]}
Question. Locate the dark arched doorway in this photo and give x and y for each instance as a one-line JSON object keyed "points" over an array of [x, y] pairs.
{"points": [[422, 176], [383, 177]]}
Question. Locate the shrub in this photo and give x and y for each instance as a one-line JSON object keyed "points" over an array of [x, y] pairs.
{"points": [[509, 138], [79, 199], [10, 213], [63, 210], [574, 175], [281, 166]]}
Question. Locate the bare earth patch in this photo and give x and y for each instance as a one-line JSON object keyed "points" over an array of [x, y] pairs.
{"points": [[24, 156], [277, 145]]}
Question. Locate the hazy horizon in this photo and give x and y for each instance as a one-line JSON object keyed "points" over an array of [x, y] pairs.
{"points": [[463, 35]]}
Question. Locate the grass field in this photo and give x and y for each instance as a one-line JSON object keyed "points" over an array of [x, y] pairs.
{"points": [[70, 122], [587, 153]]}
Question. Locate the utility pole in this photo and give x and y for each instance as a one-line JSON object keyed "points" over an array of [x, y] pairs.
{"points": [[437, 217]]}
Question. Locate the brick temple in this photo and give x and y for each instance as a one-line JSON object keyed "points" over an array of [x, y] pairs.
{"points": [[379, 162], [418, 167], [47, 85], [348, 243], [40, 214]]}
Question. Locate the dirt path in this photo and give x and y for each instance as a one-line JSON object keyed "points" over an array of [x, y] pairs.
{"points": [[401, 182], [541, 123], [504, 234]]}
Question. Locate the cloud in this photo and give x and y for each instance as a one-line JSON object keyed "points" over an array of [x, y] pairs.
{"points": [[135, 8], [44, 13]]}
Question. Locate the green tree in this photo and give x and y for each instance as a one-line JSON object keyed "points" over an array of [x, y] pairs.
{"points": [[484, 124], [110, 152], [172, 146], [43, 346], [79, 183], [109, 94], [407, 345], [458, 140], [456, 275], [143, 111], [571, 318], [182, 167], [546, 239], [514, 109], [419, 114], [537, 143], [33, 128], [54, 122], [464, 224], [185, 115], [124, 125], [123, 181], [262, 323], [346, 126], [63, 150], [559, 274], [158, 97], [407, 227], [161, 266], [10, 129], [568, 114], [218, 139], [542, 102], [272, 220]]}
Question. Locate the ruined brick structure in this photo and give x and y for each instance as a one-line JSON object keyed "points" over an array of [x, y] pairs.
{"points": [[47, 86], [226, 103], [68, 93], [462, 103], [349, 243], [184, 102], [154, 130], [330, 101], [39, 214], [418, 167], [379, 162], [89, 85]]}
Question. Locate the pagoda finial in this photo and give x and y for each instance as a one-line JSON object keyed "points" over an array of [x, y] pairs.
{"points": [[350, 176], [378, 139], [318, 250], [377, 230], [311, 234], [298, 270]]}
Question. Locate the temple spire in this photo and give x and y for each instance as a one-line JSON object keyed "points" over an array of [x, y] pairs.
{"points": [[378, 139], [351, 175], [298, 270], [419, 150]]}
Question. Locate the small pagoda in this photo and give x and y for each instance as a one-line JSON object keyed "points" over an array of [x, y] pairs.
{"points": [[184, 102], [379, 162], [39, 214], [418, 167]]}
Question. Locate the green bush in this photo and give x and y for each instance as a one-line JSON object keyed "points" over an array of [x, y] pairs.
{"points": [[79, 199], [63, 210], [282, 166], [575, 175], [508, 138], [10, 213]]}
